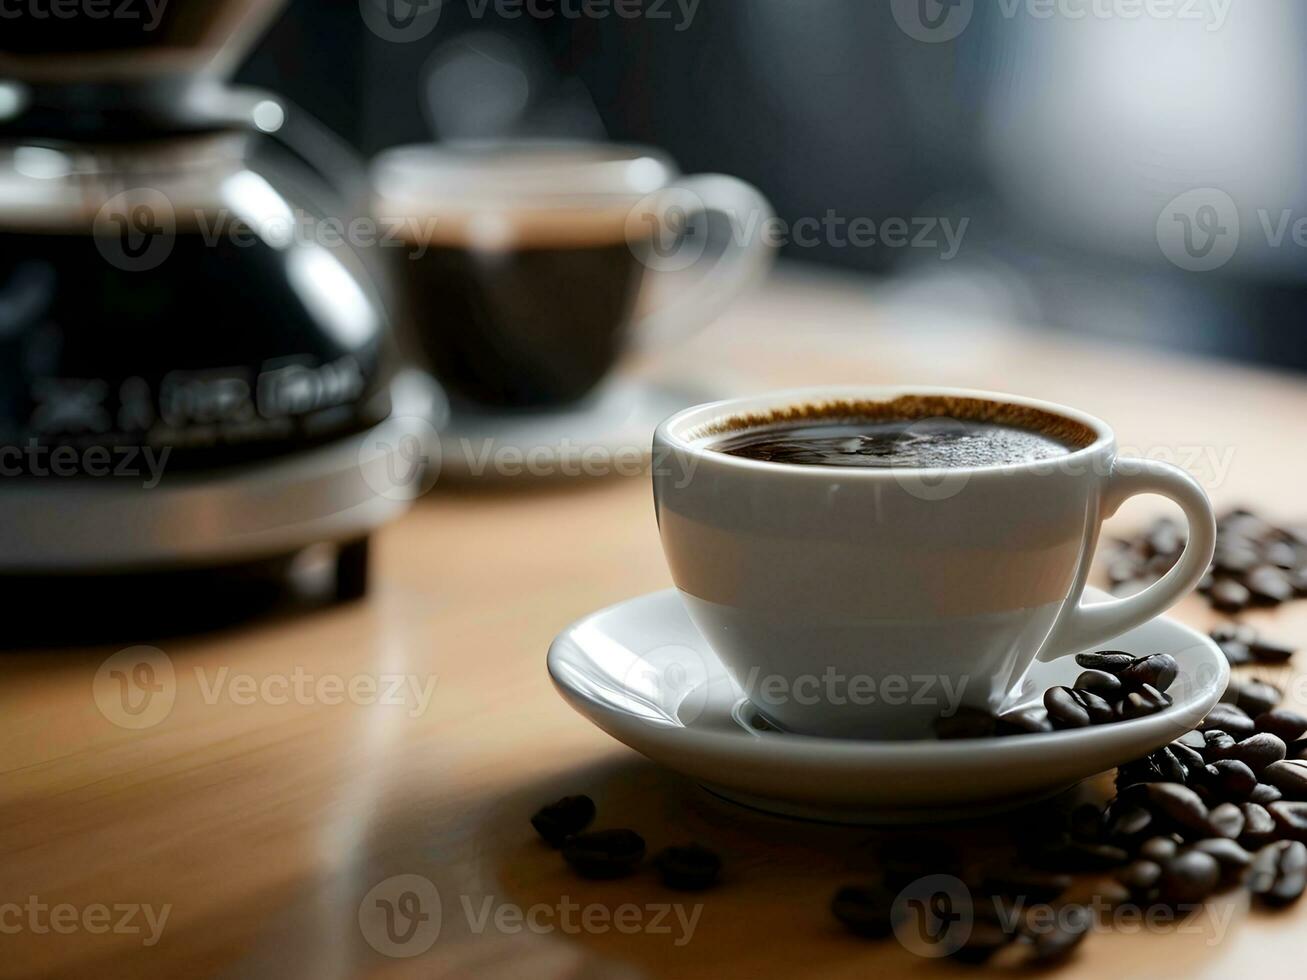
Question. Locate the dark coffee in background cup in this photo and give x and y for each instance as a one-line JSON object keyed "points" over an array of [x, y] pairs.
{"points": [[908, 436], [521, 280]]}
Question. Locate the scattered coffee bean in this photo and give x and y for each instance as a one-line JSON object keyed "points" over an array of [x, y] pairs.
{"points": [[603, 854], [1127, 823], [1234, 633], [1099, 682], [1229, 596], [1255, 698], [1217, 742], [1100, 711], [1189, 758], [1270, 652], [1290, 778], [1230, 719], [1179, 804], [1108, 661], [1226, 820], [1141, 876], [1258, 826], [1279, 873], [1257, 751], [1189, 877], [1157, 671], [1145, 701], [559, 821], [1159, 849], [1232, 778], [1236, 654], [690, 867], [1232, 858], [1264, 793], [865, 911], [1268, 585], [1285, 724], [1052, 945], [1290, 819], [1064, 710]]}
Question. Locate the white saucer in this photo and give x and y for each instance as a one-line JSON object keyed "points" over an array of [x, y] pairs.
{"points": [[642, 672], [609, 433]]}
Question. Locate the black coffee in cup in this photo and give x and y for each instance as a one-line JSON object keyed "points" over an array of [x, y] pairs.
{"points": [[538, 322], [892, 434]]}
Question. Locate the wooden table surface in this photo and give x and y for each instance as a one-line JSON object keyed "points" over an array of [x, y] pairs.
{"points": [[260, 827]]}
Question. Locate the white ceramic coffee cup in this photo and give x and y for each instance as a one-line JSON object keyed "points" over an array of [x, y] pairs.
{"points": [[866, 602]]}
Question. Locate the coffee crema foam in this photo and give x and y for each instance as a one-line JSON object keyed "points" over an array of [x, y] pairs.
{"points": [[910, 431]]}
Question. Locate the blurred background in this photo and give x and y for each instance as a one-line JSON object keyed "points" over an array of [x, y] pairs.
{"points": [[1085, 165]]}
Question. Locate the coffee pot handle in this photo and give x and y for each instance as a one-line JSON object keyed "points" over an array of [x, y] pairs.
{"points": [[670, 232], [1082, 627]]}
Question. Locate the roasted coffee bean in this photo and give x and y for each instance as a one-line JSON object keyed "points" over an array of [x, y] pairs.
{"points": [[1258, 825], [1157, 671], [1283, 723], [1279, 873], [1030, 885], [559, 821], [865, 911], [1234, 633], [1230, 719], [1268, 585], [1189, 758], [1099, 682], [1234, 559], [1099, 710], [1226, 820], [1159, 849], [1217, 742], [1228, 595], [1141, 876], [1230, 778], [690, 867], [1232, 858], [1031, 721], [1127, 822], [1281, 555], [1236, 654], [1193, 740], [1189, 877], [604, 853], [1290, 778], [1264, 793], [1290, 819], [1170, 767], [1064, 710], [966, 722], [1256, 751], [1108, 661], [1145, 701], [1270, 652], [1255, 698], [1179, 804], [1052, 945]]}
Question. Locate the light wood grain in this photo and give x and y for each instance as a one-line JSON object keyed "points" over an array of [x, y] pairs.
{"points": [[263, 826]]}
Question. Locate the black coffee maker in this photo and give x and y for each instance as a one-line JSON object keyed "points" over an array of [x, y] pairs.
{"points": [[195, 368]]}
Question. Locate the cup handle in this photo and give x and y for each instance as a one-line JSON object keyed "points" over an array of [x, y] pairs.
{"points": [[1081, 626], [742, 263]]}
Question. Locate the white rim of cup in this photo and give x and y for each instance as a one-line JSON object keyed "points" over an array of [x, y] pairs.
{"points": [[674, 430]]}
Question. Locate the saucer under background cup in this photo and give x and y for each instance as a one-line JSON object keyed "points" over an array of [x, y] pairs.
{"points": [[640, 671]]}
